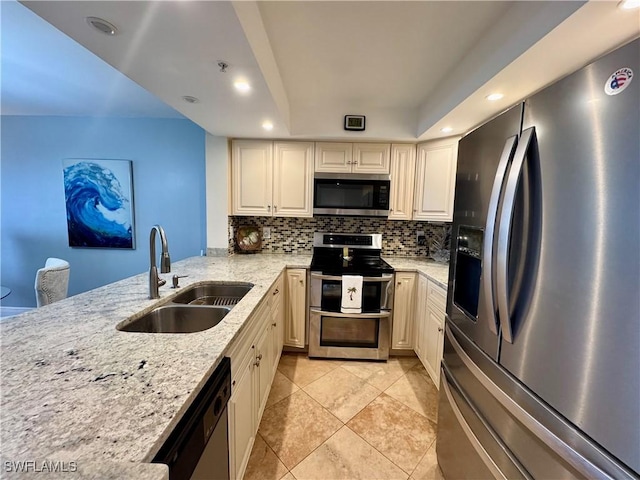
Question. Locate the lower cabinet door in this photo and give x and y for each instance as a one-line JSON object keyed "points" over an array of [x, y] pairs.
{"points": [[264, 365], [420, 317], [403, 311], [242, 420], [434, 336], [295, 318]]}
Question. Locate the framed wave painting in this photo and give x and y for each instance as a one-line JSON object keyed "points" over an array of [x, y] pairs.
{"points": [[99, 201]]}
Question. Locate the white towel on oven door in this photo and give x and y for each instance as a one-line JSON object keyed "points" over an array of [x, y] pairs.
{"points": [[351, 294]]}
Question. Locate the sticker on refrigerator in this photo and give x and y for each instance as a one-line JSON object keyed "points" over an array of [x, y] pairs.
{"points": [[618, 81]]}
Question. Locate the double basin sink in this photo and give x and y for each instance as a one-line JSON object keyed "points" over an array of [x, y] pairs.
{"points": [[195, 309]]}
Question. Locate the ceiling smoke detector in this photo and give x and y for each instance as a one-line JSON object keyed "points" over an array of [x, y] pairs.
{"points": [[190, 99], [102, 25]]}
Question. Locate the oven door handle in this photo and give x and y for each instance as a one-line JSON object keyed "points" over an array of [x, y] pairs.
{"points": [[383, 278], [383, 314]]}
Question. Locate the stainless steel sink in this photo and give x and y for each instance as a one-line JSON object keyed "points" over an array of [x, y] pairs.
{"points": [[177, 319], [218, 294]]}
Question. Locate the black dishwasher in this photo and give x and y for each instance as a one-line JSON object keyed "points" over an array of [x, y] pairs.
{"points": [[198, 448]]}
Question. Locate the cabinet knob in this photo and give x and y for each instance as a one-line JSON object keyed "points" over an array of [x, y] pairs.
{"points": [[414, 210], [259, 357], [269, 208], [276, 292], [391, 209], [257, 363], [399, 283], [274, 324], [275, 208], [439, 329], [301, 282]]}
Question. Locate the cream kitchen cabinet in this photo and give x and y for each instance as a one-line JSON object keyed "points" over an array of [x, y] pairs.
{"points": [[331, 157], [420, 316], [253, 357], [242, 411], [403, 167], [403, 311], [296, 307], [277, 320], [272, 178], [429, 324], [435, 180], [252, 177], [433, 343]]}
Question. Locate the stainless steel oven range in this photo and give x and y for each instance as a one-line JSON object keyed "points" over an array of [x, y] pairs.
{"points": [[333, 334]]}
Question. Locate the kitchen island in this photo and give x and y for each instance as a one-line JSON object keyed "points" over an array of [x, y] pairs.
{"points": [[75, 389]]}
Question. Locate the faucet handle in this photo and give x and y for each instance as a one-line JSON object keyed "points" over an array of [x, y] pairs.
{"points": [[175, 280]]}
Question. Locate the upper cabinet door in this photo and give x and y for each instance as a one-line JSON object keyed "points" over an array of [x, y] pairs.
{"points": [[435, 180], [251, 173], [371, 158], [293, 179], [403, 170], [333, 157]]}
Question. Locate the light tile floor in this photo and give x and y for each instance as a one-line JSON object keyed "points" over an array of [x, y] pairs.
{"points": [[347, 420]]}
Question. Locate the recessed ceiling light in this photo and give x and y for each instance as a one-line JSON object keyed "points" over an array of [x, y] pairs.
{"points": [[629, 4], [190, 99], [102, 25], [242, 86], [267, 126], [494, 96], [446, 129]]}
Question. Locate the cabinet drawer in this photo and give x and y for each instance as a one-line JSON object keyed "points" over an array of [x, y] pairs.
{"points": [[277, 289], [436, 296], [247, 338]]}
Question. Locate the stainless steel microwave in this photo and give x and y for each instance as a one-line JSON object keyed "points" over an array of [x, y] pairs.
{"points": [[340, 194]]}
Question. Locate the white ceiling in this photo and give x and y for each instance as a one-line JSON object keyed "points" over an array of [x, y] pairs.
{"points": [[410, 67], [44, 72]]}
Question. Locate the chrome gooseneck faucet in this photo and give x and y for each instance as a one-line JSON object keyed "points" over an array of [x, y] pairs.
{"points": [[165, 261]]}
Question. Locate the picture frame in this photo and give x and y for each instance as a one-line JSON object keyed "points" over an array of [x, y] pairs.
{"points": [[99, 203], [354, 122]]}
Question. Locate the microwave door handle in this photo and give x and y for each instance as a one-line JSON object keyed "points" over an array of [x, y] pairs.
{"points": [[489, 240], [504, 234]]}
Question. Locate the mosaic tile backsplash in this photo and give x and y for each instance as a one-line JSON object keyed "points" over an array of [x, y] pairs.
{"points": [[295, 235]]}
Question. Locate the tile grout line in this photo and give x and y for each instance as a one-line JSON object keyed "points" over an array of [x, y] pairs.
{"points": [[406, 405], [344, 424], [322, 407], [422, 458], [312, 451]]}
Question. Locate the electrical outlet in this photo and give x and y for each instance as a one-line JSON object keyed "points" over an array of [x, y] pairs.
{"points": [[266, 232], [420, 238]]}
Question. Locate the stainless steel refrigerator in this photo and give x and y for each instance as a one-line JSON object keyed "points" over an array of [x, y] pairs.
{"points": [[541, 369]]}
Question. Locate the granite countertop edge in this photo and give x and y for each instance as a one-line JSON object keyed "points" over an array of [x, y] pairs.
{"points": [[72, 359]]}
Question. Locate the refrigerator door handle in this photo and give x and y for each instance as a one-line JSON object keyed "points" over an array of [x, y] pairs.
{"points": [[489, 232], [546, 436], [504, 233]]}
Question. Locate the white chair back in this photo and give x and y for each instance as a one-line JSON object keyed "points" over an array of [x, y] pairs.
{"points": [[52, 281]]}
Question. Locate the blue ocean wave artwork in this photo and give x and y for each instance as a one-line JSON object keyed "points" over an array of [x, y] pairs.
{"points": [[98, 200]]}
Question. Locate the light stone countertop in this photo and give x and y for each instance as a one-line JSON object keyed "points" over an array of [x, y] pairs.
{"points": [[438, 272], [73, 388]]}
